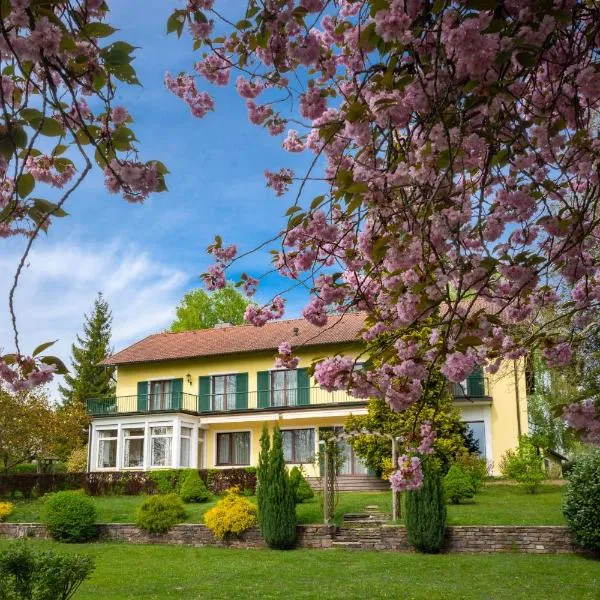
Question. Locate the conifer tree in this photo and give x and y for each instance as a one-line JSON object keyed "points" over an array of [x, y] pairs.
{"points": [[426, 512], [262, 474], [277, 505], [88, 378]]}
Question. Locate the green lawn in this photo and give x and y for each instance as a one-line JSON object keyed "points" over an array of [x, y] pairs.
{"points": [[157, 572], [494, 505]]}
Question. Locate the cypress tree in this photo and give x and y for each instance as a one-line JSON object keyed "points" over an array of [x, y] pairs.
{"points": [[276, 497], [262, 475], [88, 379], [426, 513]]}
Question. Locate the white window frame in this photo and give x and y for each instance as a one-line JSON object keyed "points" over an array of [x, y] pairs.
{"points": [[99, 439], [189, 438], [170, 436], [126, 437]]}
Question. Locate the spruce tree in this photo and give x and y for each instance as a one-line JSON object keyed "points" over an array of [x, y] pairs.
{"points": [[277, 505], [89, 379], [426, 513]]}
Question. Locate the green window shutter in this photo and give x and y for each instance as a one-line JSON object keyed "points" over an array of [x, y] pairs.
{"points": [[263, 379], [303, 387], [475, 384], [142, 396], [204, 396], [241, 390], [177, 394]]}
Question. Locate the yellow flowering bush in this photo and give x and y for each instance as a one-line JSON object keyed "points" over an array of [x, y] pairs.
{"points": [[231, 515], [6, 509]]}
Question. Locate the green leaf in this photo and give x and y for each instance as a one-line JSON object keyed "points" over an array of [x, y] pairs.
{"points": [[117, 54], [45, 208], [43, 347], [25, 185], [438, 6], [59, 149], [31, 114], [500, 158], [126, 73], [526, 59], [175, 22], [292, 209], [51, 128], [98, 30], [481, 4], [316, 202], [61, 369]]}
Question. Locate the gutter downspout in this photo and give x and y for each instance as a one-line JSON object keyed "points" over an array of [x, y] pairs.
{"points": [[517, 397]]}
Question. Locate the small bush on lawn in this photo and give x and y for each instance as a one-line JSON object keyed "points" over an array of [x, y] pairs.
{"points": [[193, 488], [524, 465], [70, 517], [582, 500], [6, 509], [474, 466], [231, 516], [157, 514], [26, 575], [77, 461], [458, 485], [426, 513], [302, 490], [167, 481]]}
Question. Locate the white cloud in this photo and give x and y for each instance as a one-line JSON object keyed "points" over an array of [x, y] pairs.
{"points": [[60, 285]]}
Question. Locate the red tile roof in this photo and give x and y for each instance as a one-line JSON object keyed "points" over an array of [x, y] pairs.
{"points": [[243, 338]]}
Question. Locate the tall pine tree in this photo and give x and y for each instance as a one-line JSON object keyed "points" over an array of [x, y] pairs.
{"points": [[88, 378]]}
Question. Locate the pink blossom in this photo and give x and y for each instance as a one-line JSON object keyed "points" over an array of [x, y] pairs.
{"points": [[119, 115], [292, 142], [136, 181], [409, 476], [248, 89], [260, 316], [559, 355], [312, 104], [458, 366], [215, 69], [279, 182], [334, 373], [315, 312], [200, 31], [285, 360]]}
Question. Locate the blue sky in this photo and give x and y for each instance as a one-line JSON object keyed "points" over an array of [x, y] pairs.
{"points": [[143, 257]]}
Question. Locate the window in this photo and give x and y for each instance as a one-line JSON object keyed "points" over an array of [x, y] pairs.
{"points": [[161, 444], [298, 445], [186, 444], [224, 392], [477, 428], [161, 395], [284, 388], [107, 449], [233, 448], [353, 464], [134, 448]]}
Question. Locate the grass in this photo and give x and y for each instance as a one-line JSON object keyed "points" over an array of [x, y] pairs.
{"points": [[494, 505], [157, 572]]}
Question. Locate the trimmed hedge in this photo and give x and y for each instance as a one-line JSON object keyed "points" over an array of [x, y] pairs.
{"points": [[129, 483]]}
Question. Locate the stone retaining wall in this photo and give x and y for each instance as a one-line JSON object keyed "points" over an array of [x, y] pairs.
{"points": [[363, 536]]}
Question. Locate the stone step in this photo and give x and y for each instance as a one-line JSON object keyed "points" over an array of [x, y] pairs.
{"points": [[337, 544]]}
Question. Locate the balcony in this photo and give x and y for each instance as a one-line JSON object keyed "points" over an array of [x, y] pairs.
{"points": [[218, 403], [475, 387]]}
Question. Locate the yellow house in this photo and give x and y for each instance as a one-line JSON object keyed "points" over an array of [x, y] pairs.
{"points": [[200, 399]]}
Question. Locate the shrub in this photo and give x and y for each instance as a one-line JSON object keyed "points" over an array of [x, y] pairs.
{"points": [[524, 465], [582, 499], [425, 510], [77, 461], [157, 514], [6, 509], [70, 517], [475, 466], [25, 574], [231, 516], [302, 490], [167, 481], [193, 488], [458, 485], [276, 500]]}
